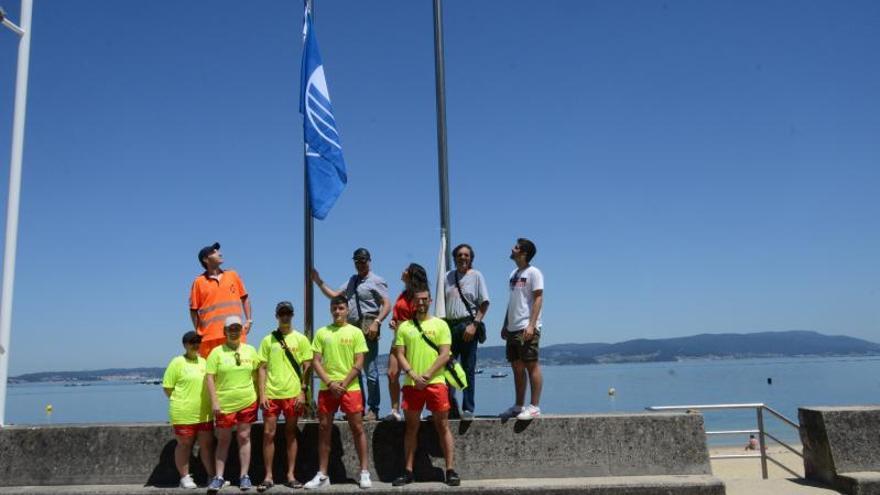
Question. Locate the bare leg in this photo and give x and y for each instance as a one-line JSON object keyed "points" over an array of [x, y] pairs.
{"points": [[244, 447], [413, 421], [536, 381], [182, 453], [325, 430], [519, 380], [441, 424], [356, 423], [206, 451], [290, 436], [270, 424], [394, 381], [224, 436]]}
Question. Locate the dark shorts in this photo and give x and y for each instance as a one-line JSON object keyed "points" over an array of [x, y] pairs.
{"points": [[520, 350]]}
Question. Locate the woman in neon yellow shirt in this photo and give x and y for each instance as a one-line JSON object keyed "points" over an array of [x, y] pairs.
{"points": [[189, 408], [231, 381]]}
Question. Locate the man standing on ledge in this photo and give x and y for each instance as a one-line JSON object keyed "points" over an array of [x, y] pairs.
{"points": [[215, 295], [369, 304], [522, 329]]}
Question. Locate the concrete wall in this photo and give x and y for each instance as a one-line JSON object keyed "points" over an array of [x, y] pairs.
{"points": [[842, 446], [562, 446]]}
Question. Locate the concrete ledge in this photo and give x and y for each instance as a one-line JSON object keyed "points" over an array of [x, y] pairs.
{"points": [[607, 445], [842, 447], [628, 485]]}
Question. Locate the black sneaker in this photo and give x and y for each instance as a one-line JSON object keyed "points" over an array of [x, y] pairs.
{"points": [[452, 478], [404, 479]]}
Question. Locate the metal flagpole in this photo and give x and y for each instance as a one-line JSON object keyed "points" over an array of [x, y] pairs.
{"points": [[442, 165], [308, 250], [24, 49]]}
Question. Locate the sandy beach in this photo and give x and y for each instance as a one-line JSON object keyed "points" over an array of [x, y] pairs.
{"points": [[743, 476]]}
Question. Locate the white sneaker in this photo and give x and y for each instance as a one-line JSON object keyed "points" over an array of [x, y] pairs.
{"points": [[467, 416], [319, 481], [529, 413], [188, 483], [394, 416], [365, 481], [510, 412]]}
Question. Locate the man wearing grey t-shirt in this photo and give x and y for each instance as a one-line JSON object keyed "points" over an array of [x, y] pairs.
{"points": [[467, 301], [368, 299]]}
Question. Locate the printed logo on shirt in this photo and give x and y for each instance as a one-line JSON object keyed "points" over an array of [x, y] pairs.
{"points": [[518, 283]]}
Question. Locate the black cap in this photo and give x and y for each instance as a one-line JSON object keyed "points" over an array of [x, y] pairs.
{"points": [[191, 338], [284, 305], [207, 250], [361, 253]]}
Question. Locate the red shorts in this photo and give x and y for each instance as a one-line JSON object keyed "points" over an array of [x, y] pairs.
{"points": [[246, 415], [288, 407], [189, 431], [350, 402], [435, 397]]}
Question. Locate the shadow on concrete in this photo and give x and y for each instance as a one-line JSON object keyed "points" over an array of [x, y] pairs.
{"points": [[389, 456], [812, 484], [164, 473], [521, 425]]}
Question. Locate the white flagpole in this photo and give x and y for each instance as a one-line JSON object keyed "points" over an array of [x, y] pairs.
{"points": [[21, 78]]}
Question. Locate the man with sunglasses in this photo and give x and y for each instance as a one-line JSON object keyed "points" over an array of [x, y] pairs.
{"points": [[231, 383], [285, 356], [339, 350], [522, 330], [369, 305], [425, 384]]}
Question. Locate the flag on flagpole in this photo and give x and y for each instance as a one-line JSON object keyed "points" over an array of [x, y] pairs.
{"points": [[440, 294], [324, 161]]}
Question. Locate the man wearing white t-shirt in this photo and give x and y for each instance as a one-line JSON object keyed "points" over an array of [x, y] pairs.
{"points": [[522, 330]]}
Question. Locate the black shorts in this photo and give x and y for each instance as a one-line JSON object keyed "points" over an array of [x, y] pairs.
{"points": [[518, 349]]}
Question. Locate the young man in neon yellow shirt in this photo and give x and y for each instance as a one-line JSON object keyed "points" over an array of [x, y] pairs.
{"points": [[189, 408], [425, 384], [231, 381], [339, 350], [281, 389]]}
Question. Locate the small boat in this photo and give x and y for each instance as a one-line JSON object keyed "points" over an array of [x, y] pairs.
{"points": [[478, 371], [499, 375]]}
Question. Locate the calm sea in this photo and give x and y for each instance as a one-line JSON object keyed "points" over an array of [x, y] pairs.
{"points": [[567, 389]]}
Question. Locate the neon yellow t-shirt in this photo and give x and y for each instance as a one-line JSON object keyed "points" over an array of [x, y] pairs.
{"points": [[419, 354], [189, 403], [281, 379], [234, 382], [338, 346]]}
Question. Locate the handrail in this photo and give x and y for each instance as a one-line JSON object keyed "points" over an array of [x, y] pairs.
{"points": [[763, 434]]}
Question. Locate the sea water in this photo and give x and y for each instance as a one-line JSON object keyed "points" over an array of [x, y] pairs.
{"points": [[567, 389]]}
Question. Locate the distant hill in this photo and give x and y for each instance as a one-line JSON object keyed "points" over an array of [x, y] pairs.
{"points": [[704, 346]]}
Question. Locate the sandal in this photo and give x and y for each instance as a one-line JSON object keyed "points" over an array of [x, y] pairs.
{"points": [[293, 484], [265, 485]]}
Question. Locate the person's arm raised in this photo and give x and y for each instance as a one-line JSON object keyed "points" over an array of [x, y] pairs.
{"points": [[330, 293]]}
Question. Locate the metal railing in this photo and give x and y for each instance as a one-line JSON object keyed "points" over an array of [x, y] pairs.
{"points": [[761, 431]]}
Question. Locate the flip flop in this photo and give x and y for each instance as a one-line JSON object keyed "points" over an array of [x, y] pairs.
{"points": [[265, 485], [293, 484]]}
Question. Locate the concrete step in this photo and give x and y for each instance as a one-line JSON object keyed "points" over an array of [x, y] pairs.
{"points": [[776, 487], [623, 485]]}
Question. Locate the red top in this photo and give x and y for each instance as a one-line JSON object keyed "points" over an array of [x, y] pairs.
{"points": [[403, 308]]}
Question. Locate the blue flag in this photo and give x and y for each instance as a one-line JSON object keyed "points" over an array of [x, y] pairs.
{"points": [[326, 166]]}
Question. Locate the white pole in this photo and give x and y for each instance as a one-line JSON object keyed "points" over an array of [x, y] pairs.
{"points": [[24, 49]]}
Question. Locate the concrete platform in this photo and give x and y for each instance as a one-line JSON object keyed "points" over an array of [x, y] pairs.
{"points": [[842, 447], [579, 446], [626, 485]]}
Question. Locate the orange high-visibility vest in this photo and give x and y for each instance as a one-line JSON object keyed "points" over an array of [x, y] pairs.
{"points": [[215, 300]]}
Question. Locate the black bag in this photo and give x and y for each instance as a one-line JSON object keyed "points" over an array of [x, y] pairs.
{"points": [[481, 327]]}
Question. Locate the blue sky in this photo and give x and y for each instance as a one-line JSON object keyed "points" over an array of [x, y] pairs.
{"points": [[683, 167]]}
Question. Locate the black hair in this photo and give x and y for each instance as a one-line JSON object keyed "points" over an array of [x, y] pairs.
{"points": [[340, 299], [418, 277], [469, 248], [528, 247]]}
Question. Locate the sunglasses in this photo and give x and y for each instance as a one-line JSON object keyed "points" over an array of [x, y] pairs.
{"points": [[284, 313], [237, 359]]}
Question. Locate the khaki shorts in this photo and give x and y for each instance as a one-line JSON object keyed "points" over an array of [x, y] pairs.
{"points": [[519, 349]]}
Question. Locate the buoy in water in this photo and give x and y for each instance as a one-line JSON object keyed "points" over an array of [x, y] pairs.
{"points": [[612, 392], [769, 381], [49, 409]]}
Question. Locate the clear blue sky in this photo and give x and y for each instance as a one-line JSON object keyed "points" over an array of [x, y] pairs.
{"points": [[683, 167]]}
